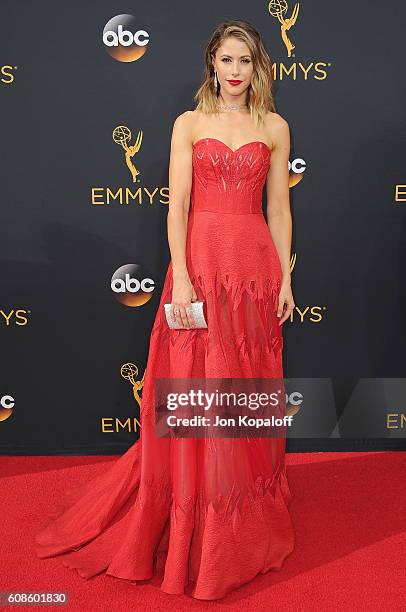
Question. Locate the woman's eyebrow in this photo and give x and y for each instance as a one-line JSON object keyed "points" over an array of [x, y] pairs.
{"points": [[226, 55]]}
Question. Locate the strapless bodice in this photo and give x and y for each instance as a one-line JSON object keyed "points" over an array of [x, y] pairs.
{"points": [[226, 180]]}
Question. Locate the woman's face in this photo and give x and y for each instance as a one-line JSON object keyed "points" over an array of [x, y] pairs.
{"points": [[233, 61]]}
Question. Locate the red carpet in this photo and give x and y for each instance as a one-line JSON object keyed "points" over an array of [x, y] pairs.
{"points": [[349, 512]]}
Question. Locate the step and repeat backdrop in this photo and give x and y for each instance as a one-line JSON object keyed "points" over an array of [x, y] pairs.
{"points": [[89, 93]]}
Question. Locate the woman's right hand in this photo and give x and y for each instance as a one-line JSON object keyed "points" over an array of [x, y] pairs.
{"points": [[182, 295]]}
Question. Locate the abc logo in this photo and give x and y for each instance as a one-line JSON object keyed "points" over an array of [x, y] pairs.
{"points": [[296, 171], [6, 407], [123, 40], [132, 286]]}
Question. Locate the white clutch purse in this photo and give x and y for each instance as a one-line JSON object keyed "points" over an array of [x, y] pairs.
{"points": [[197, 312]]}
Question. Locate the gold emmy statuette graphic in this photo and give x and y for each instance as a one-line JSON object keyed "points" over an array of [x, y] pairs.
{"points": [[277, 8], [121, 136], [129, 371]]}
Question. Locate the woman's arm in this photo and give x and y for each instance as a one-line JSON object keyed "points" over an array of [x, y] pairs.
{"points": [[279, 217], [180, 183]]}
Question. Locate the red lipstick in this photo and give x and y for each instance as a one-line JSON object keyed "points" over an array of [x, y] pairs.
{"points": [[233, 82]]}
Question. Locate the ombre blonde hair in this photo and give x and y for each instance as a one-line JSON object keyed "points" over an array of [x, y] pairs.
{"points": [[259, 97]]}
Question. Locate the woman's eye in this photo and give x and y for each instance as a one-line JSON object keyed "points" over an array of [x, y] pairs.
{"points": [[226, 59]]}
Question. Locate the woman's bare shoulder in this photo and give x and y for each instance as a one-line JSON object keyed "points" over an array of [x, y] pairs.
{"points": [[188, 115], [182, 123], [277, 128], [186, 122], [276, 120]]}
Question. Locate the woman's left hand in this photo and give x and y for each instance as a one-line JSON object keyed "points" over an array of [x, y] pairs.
{"points": [[286, 303]]}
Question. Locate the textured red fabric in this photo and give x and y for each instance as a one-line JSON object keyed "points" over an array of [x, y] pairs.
{"points": [[216, 508]]}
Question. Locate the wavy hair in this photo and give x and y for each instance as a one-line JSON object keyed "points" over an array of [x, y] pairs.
{"points": [[259, 99]]}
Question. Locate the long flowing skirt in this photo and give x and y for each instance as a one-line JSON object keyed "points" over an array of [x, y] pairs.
{"points": [[213, 509]]}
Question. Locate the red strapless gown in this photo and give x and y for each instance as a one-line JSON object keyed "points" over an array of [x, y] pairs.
{"points": [[212, 510]]}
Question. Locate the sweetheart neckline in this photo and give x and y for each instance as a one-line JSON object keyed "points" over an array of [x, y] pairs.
{"points": [[229, 148]]}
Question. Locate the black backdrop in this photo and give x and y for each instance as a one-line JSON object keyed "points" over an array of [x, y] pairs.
{"points": [[64, 334]]}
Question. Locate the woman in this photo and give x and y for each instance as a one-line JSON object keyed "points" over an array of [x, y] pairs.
{"points": [[212, 510]]}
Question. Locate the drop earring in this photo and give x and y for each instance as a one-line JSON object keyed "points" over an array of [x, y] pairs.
{"points": [[215, 81]]}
